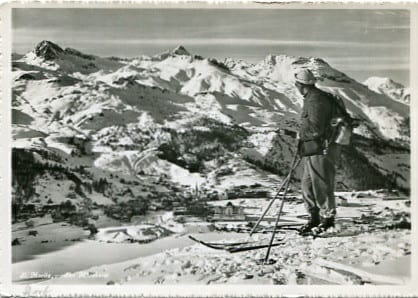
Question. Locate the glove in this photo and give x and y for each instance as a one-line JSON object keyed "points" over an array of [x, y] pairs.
{"points": [[291, 133]]}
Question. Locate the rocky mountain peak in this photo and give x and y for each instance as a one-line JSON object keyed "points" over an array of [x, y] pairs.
{"points": [[48, 50], [180, 50]]}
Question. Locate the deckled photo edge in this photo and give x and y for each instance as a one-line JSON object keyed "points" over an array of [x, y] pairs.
{"points": [[6, 288], [5, 121]]}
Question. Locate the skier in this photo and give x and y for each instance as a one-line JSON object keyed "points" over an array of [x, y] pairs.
{"points": [[319, 154]]}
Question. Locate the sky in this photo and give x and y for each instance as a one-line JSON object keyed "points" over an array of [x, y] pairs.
{"points": [[360, 43]]}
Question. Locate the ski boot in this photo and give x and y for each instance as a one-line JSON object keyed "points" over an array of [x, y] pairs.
{"points": [[313, 222], [326, 223]]}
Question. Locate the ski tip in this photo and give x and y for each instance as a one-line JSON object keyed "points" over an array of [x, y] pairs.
{"points": [[193, 238]]}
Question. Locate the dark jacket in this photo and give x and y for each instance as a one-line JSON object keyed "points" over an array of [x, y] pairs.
{"points": [[316, 115]]}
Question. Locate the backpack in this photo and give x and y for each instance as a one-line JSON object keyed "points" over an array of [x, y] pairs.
{"points": [[341, 124], [339, 131]]}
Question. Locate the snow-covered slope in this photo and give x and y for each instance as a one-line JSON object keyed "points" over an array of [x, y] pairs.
{"points": [[388, 87]]}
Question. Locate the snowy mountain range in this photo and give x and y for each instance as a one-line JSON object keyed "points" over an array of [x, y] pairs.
{"points": [[178, 114], [390, 88], [206, 85]]}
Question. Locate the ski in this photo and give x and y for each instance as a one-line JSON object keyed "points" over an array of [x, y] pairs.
{"points": [[293, 227], [219, 245], [338, 234], [233, 247], [228, 243], [214, 246], [332, 234], [247, 248]]}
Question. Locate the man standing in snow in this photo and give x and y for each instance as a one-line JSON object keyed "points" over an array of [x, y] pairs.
{"points": [[319, 155]]}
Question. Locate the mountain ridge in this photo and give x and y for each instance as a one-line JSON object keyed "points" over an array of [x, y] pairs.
{"points": [[258, 83]]}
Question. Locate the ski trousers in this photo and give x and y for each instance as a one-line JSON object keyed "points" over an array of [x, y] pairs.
{"points": [[318, 182]]}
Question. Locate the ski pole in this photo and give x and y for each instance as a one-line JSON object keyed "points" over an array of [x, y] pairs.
{"points": [[294, 165], [268, 206], [295, 162]]}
